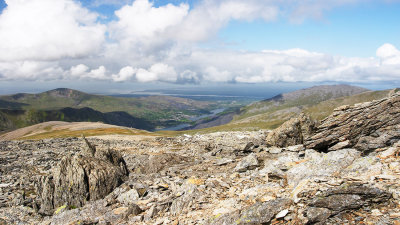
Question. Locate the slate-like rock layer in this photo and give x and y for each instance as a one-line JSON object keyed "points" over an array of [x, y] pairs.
{"points": [[366, 126]]}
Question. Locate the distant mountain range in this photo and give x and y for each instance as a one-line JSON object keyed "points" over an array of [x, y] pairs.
{"points": [[64, 104], [153, 112]]}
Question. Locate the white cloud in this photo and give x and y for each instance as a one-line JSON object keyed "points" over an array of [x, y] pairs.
{"points": [[189, 76], [48, 30], [79, 70], [82, 71], [143, 24], [157, 72], [213, 74], [60, 39], [124, 74], [30, 70], [97, 3], [388, 54], [209, 16]]}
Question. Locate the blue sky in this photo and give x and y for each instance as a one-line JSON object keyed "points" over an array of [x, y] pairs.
{"points": [[200, 42], [352, 30]]}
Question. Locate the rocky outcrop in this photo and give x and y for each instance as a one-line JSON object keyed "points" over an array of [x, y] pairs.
{"points": [[80, 178], [365, 126], [194, 179], [292, 132], [346, 197]]}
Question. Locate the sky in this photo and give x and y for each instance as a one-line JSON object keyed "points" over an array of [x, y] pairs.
{"points": [[117, 45]]}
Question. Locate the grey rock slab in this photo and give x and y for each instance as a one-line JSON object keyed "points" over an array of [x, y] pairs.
{"points": [[292, 132], [259, 213], [247, 163], [186, 200], [129, 197], [321, 164], [317, 215], [350, 196], [223, 161], [274, 150], [295, 148]]}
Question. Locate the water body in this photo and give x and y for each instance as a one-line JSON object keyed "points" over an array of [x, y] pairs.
{"points": [[194, 119]]}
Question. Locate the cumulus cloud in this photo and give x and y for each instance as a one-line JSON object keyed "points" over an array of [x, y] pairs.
{"points": [[142, 20], [209, 16], [157, 72], [388, 54], [48, 30], [30, 70], [189, 76], [124, 74], [82, 71], [60, 39]]}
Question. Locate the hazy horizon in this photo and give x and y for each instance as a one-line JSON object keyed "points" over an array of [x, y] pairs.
{"points": [[255, 91]]}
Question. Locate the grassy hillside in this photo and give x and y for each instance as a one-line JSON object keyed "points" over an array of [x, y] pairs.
{"points": [[27, 109], [60, 129], [325, 108], [300, 99], [277, 114]]}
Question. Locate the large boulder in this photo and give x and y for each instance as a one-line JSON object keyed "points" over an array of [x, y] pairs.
{"points": [[77, 179], [292, 132], [365, 126]]}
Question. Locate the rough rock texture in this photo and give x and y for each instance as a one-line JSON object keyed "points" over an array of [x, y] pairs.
{"points": [[81, 178], [259, 213], [292, 132], [155, 163], [247, 163], [349, 196], [365, 126], [192, 180], [320, 164]]}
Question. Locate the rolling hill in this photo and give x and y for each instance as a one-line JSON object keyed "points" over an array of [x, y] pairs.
{"points": [[22, 109], [318, 102]]}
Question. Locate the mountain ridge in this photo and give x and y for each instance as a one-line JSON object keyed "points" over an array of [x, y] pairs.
{"points": [[279, 108], [156, 111]]}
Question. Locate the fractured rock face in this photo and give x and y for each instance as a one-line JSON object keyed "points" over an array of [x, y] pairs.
{"points": [[292, 132], [364, 126], [348, 196], [81, 178]]}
